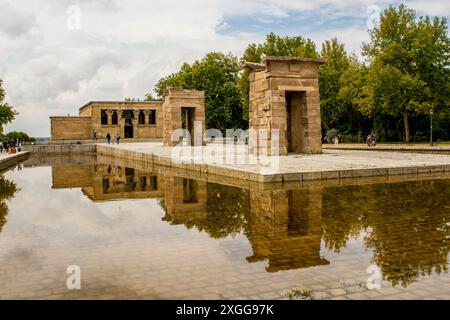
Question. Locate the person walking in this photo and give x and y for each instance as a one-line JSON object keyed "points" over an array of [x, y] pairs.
{"points": [[108, 138]]}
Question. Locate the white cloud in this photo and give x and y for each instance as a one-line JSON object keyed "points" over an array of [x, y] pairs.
{"points": [[124, 47]]}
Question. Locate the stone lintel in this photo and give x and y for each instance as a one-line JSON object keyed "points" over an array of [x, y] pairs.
{"points": [[285, 58]]}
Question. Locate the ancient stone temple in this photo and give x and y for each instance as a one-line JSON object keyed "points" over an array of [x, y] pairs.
{"points": [[183, 109], [129, 119], [284, 95]]}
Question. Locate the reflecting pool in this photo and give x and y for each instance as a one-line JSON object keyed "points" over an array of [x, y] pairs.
{"points": [[150, 233]]}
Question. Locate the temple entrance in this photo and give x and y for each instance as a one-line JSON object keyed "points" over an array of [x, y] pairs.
{"points": [[128, 125], [183, 109], [187, 122], [128, 129], [294, 132]]}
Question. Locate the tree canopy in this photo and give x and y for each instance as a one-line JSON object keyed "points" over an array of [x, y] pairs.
{"points": [[405, 74], [216, 74], [408, 66], [274, 45], [18, 135]]}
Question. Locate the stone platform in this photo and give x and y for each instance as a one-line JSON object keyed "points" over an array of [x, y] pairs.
{"points": [[331, 164]]}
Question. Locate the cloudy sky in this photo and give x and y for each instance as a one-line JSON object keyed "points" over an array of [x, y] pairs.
{"points": [[53, 60]]}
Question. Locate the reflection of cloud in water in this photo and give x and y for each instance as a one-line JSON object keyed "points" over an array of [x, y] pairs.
{"points": [[68, 214]]}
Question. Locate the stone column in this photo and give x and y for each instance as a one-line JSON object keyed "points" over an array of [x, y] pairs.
{"points": [[147, 116], [135, 123], [109, 116], [121, 123]]}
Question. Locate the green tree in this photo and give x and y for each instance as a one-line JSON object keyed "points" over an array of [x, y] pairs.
{"points": [[338, 61], [274, 45], [216, 74], [409, 66], [351, 82], [7, 112], [150, 97], [18, 135]]}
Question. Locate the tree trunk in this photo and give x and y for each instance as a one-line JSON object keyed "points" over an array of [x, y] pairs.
{"points": [[406, 124]]}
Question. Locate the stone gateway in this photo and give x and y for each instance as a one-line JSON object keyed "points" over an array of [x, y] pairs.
{"points": [[284, 95]]}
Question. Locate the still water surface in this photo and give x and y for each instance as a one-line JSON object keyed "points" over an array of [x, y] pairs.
{"points": [[138, 234]]}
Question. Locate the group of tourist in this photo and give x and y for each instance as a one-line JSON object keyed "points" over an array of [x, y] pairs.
{"points": [[116, 140], [10, 147]]}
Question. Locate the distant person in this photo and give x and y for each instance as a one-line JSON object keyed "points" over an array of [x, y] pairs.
{"points": [[371, 140], [118, 138], [95, 136], [108, 138], [336, 141]]}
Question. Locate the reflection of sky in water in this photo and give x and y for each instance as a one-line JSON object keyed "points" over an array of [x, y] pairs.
{"points": [[47, 227]]}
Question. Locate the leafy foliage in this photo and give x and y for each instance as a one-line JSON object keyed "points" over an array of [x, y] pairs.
{"points": [[409, 66], [18, 135], [405, 74], [7, 112], [216, 74], [273, 46]]}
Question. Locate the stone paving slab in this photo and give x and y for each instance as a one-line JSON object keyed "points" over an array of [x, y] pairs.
{"points": [[331, 164]]}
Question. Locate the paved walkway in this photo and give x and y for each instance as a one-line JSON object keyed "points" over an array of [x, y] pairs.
{"points": [[331, 164]]}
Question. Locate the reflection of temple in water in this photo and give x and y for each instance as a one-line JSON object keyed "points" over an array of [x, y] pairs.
{"points": [[289, 226], [115, 182], [102, 182], [184, 200], [285, 228]]}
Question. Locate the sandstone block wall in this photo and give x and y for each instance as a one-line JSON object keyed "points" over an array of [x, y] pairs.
{"points": [[70, 128]]}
